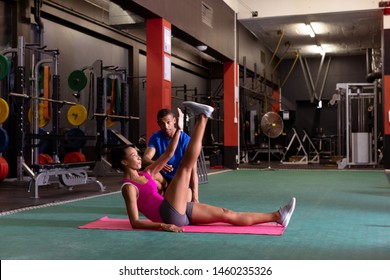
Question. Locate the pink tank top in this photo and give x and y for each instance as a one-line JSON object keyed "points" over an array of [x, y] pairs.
{"points": [[149, 200]]}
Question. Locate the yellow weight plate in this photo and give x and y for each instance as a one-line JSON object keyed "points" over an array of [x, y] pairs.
{"points": [[4, 110], [110, 121], [42, 122], [77, 115]]}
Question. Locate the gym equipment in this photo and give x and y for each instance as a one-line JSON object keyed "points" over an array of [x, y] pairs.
{"points": [[110, 122], [298, 158], [116, 116], [77, 80], [272, 126], [117, 138], [74, 157], [70, 175], [313, 150], [103, 167], [42, 122], [5, 66], [4, 110], [104, 119], [358, 123], [4, 140], [102, 77], [61, 102], [77, 115], [46, 92], [111, 89], [110, 119], [45, 159], [4, 168], [112, 139], [20, 79], [107, 223], [202, 169], [36, 118], [44, 145], [75, 139]]}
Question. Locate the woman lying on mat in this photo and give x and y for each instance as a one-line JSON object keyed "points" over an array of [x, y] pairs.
{"points": [[172, 211]]}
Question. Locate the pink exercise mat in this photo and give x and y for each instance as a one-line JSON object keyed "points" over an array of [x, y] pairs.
{"points": [[124, 224]]}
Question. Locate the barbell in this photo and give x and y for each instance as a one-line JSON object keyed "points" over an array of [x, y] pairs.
{"points": [[77, 113], [23, 95], [116, 116]]}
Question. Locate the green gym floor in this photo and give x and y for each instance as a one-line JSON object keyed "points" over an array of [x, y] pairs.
{"points": [[340, 215]]}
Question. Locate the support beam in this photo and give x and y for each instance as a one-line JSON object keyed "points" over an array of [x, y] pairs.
{"points": [[255, 8], [158, 70], [386, 89], [231, 115]]}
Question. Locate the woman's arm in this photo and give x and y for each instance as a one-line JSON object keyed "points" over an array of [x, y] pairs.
{"points": [[129, 193], [159, 164]]}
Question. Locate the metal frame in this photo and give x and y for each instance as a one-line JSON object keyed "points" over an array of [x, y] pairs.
{"points": [[38, 175], [316, 157], [305, 157], [360, 95]]}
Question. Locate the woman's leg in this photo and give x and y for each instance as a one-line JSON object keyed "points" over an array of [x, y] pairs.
{"points": [[177, 191], [203, 214]]}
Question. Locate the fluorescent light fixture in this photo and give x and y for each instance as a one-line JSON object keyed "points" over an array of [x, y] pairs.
{"points": [[328, 48], [202, 48], [320, 49], [310, 30], [319, 27]]}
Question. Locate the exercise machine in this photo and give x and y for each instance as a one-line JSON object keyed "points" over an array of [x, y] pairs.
{"points": [[38, 175]]}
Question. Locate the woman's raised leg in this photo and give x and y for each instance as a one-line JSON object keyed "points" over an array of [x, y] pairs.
{"points": [[177, 191]]}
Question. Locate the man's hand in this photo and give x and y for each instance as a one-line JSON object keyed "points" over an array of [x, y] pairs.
{"points": [[168, 168]]}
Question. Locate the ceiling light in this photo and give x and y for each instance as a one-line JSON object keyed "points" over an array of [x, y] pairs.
{"points": [[310, 30], [319, 27], [328, 48], [202, 48], [320, 49]]}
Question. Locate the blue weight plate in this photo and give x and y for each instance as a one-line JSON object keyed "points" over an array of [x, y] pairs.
{"points": [[4, 140]]}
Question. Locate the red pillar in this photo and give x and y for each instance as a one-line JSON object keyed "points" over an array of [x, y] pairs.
{"points": [[386, 99], [158, 71], [231, 115], [386, 88]]}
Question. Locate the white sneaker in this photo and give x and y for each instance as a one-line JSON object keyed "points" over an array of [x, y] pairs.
{"points": [[198, 108], [286, 213]]}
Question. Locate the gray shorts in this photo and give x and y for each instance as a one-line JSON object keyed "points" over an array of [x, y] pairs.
{"points": [[169, 215]]}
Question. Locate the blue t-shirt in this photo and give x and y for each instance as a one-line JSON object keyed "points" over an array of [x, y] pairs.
{"points": [[160, 142]]}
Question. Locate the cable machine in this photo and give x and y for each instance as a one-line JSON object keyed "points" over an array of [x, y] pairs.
{"points": [[358, 112]]}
